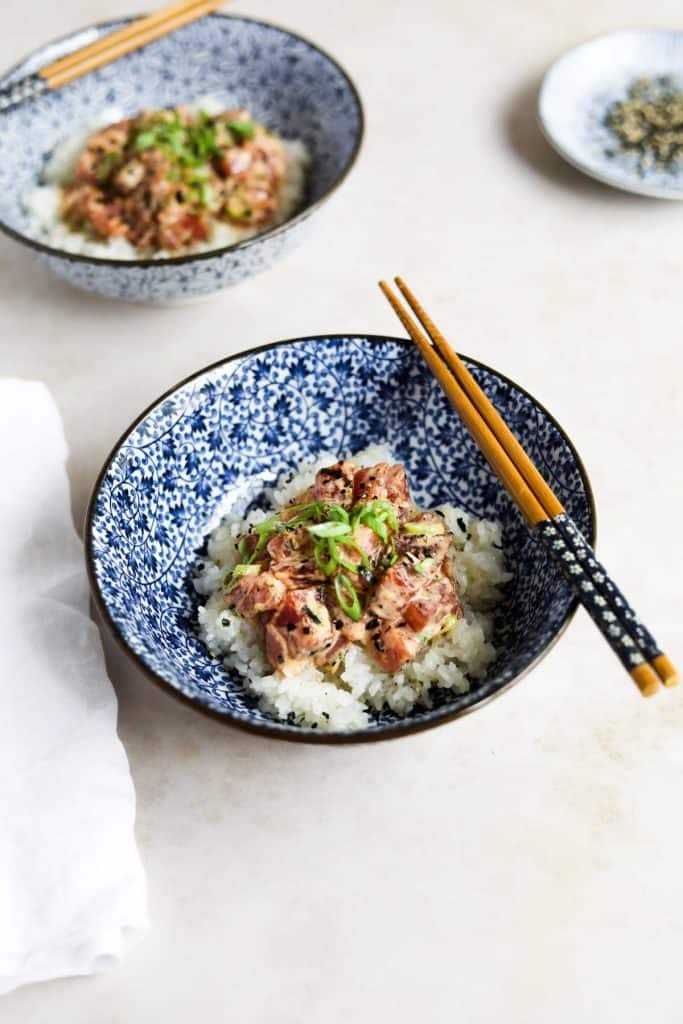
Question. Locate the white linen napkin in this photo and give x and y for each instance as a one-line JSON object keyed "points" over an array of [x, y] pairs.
{"points": [[72, 888]]}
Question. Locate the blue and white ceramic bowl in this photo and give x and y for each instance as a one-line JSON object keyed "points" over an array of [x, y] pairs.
{"points": [[585, 82], [288, 83], [222, 430]]}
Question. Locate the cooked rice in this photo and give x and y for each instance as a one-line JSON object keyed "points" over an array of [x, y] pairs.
{"points": [[341, 704], [43, 203]]}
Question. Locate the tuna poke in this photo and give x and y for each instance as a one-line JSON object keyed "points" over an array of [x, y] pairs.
{"points": [[346, 597], [169, 181]]}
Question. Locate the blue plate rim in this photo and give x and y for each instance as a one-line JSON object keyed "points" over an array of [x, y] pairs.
{"points": [[283, 731], [175, 261]]}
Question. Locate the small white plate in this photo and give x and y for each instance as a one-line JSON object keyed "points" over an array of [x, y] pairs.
{"points": [[580, 87]]}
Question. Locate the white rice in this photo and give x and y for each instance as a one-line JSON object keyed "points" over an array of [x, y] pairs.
{"points": [[341, 704], [42, 204]]}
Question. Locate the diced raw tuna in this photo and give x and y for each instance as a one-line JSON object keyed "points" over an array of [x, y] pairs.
{"points": [[300, 628], [432, 606], [252, 595], [292, 559], [334, 484], [383, 482], [393, 646]]}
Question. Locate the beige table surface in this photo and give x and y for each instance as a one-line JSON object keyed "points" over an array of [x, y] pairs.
{"points": [[524, 865]]}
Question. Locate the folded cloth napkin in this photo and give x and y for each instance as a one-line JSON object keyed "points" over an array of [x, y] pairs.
{"points": [[72, 888]]}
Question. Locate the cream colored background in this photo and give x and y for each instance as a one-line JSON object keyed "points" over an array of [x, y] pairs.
{"points": [[526, 864]]}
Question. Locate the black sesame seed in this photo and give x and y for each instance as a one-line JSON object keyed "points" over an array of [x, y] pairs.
{"points": [[290, 627], [338, 624], [306, 630]]}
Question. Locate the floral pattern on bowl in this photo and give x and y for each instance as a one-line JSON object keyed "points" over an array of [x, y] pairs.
{"points": [[230, 429]]}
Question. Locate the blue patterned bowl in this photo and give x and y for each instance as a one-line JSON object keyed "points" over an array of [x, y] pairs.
{"points": [[221, 430], [287, 82]]}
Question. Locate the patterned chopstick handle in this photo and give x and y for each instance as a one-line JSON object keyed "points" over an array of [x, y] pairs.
{"points": [[628, 637], [21, 91]]}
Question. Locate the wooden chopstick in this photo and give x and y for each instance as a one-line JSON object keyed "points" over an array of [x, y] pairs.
{"points": [[121, 35], [551, 504], [630, 640], [553, 507], [104, 50], [508, 473], [130, 38]]}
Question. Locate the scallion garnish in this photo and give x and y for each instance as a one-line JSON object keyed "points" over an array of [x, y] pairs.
{"points": [[326, 565], [269, 525], [242, 130], [337, 513], [424, 529], [246, 569], [423, 566], [330, 529], [336, 553], [347, 598], [377, 526]]}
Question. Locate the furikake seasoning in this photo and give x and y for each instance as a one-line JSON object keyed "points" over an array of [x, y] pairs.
{"points": [[649, 122]]}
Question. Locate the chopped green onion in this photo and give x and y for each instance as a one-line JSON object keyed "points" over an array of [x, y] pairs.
{"points": [[305, 513], [262, 541], [423, 566], [375, 515], [349, 565], [377, 526], [351, 543], [107, 164], [424, 529], [336, 512], [328, 566], [330, 529], [269, 525], [449, 623], [242, 129], [145, 140], [205, 194], [392, 520], [246, 569], [243, 549], [347, 598]]}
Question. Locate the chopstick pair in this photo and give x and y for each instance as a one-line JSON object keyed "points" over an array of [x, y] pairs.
{"points": [[104, 50], [630, 640]]}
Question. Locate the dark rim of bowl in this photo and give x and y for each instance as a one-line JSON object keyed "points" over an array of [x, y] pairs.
{"points": [[175, 261], [275, 729]]}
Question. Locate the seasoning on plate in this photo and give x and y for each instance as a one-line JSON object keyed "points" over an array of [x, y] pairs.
{"points": [[650, 121]]}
